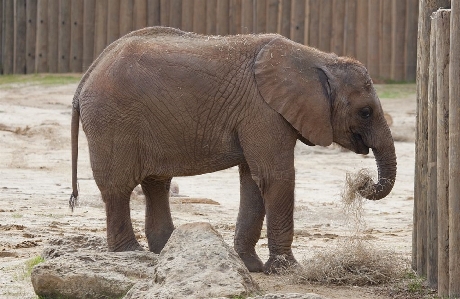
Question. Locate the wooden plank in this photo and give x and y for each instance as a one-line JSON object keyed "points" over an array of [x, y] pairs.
{"points": [[338, 27], [187, 15], [442, 132], [398, 45], [350, 29], [20, 37], [211, 17], [53, 35], [88, 33], [100, 27], [31, 35], [41, 54], [126, 16], [411, 39], [235, 16], [76, 37], [165, 8], [298, 21], [153, 12], [272, 15], [199, 17], [247, 16], [113, 20], [454, 153], [260, 19], [140, 14], [373, 39], [325, 26], [419, 239], [223, 13], [314, 9], [64, 37], [8, 37], [175, 13], [432, 212], [362, 25], [284, 18], [386, 39]]}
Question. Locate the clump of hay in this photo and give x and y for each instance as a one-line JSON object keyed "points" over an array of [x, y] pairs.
{"points": [[352, 260]]}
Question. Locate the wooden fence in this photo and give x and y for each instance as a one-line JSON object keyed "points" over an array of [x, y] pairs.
{"points": [[66, 35], [436, 242]]}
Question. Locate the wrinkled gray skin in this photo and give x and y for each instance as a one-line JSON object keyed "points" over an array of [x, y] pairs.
{"points": [[160, 103]]}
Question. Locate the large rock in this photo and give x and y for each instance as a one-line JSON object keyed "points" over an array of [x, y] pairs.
{"points": [[197, 263], [80, 267]]}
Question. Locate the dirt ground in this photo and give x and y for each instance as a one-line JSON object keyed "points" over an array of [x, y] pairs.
{"points": [[35, 173]]}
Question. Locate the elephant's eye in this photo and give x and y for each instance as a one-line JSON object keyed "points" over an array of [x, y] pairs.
{"points": [[365, 112]]}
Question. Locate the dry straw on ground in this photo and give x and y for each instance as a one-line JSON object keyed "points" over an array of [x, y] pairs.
{"points": [[352, 260]]}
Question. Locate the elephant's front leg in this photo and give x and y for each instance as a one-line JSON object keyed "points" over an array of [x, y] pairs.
{"points": [[250, 220], [158, 222]]}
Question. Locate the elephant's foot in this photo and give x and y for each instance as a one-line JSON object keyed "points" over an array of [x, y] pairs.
{"points": [[125, 246], [158, 240], [276, 264], [252, 261]]}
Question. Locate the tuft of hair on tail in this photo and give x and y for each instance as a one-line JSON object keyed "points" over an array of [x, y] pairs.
{"points": [[73, 201]]}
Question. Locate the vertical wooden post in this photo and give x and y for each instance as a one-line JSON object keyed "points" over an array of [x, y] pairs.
{"points": [[247, 16], [442, 85], [411, 39], [398, 33], [454, 152], [126, 17], [153, 12], [53, 34], [64, 37], [419, 240], [338, 27], [373, 39], [88, 33], [165, 8], [432, 213], [175, 13], [31, 35], [187, 15], [222, 26], [272, 15], [211, 17], [386, 39], [260, 19], [140, 14], [41, 56], [361, 30], [113, 20], [313, 26], [350, 28], [8, 35], [325, 26], [284, 18], [235, 16], [199, 16], [20, 37], [76, 36], [298, 21], [100, 27]]}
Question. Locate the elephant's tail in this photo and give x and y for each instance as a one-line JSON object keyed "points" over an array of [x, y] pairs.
{"points": [[75, 124]]}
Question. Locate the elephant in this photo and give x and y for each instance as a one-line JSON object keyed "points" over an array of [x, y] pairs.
{"points": [[160, 103]]}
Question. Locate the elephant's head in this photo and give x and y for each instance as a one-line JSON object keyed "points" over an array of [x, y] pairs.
{"points": [[328, 99]]}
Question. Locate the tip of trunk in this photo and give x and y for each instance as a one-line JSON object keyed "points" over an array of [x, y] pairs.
{"points": [[377, 191]]}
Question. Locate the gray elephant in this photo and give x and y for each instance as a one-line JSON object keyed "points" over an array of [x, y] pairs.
{"points": [[160, 103]]}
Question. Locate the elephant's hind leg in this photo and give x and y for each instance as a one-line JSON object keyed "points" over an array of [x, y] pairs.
{"points": [[158, 221], [250, 220], [120, 234]]}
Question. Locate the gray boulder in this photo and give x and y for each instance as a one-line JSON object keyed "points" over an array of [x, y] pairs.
{"points": [[197, 263]]}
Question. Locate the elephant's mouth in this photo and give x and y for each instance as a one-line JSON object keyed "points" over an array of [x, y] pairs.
{"points": [[359, 145]]}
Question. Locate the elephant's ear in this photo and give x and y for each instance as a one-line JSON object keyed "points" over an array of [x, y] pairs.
{"points": [[292, 84]]}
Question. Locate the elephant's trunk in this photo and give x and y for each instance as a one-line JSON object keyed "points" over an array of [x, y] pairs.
{"points": [[386, 164]]}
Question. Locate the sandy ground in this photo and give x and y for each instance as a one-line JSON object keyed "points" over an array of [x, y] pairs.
{"points": [[35, 174]]}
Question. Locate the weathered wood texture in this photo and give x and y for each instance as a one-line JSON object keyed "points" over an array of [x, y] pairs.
{"points": [[67, 35]]}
